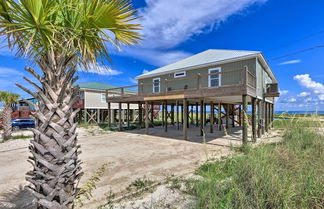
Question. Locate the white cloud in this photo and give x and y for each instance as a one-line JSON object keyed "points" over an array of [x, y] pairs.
{"points": [[103, 70], [292, 100], [304, 94], [133, 80], [156, 57], [145, 71], [283, 92], [290, 62], [167, 24], [314, 87]]}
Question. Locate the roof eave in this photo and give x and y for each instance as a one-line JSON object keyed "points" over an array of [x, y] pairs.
{"points": [[201, 66]]}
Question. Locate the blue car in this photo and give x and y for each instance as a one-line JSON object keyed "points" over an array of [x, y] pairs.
{"points": [[22, 123]]}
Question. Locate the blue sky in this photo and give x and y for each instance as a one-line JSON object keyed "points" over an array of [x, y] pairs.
{"points": [[176, 29]]}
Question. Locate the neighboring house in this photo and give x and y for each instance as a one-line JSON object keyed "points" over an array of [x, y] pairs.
{"points": [[94, 106], [228, 78]]}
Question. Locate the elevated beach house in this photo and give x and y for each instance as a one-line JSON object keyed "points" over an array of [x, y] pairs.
{"points": [[224, 82], [93, 104]]}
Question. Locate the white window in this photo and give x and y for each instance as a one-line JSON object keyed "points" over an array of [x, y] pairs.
{"points": [[156, 85], [214, 80], [180, 74], [103, 98]]}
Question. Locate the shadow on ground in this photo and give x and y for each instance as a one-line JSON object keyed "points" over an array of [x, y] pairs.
{"points": [[18, 198]]}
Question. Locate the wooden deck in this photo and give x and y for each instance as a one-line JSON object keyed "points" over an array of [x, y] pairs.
{"points": [[247, 86]]}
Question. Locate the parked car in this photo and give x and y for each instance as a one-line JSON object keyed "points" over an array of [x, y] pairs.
{"points": [[22, 123]]}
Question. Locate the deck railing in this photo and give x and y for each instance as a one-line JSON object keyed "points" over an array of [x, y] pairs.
{"points": [[200, 81]]}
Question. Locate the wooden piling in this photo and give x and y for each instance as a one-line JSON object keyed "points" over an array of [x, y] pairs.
{"points": [[119, 116], [259, 104], [166, 116], [140, 115], [227, 116], [197, 114], [128, 116], [201, 117], [254, 119], [185, 116], [146, 117], [245, 119], [219, 116], [212, 117], [109, 115], [177, 116]]}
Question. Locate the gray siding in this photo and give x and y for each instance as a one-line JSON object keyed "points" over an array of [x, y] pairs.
{"points": [[92, 100], [190, 80]]}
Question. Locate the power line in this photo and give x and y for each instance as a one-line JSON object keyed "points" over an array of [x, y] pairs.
{"points": [[297, 52], [297, 40]]}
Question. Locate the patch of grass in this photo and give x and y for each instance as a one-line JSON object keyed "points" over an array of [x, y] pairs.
{"points": [[85, 191], [288, 174], [139, 184]]}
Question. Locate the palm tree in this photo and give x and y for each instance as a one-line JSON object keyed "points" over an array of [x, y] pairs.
{"points": [[7, 98], [61, 36]]}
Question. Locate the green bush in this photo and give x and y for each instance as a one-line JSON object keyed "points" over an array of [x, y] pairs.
{"points": [[289, 174]]}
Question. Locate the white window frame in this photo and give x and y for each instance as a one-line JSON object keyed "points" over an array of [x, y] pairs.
{"points": [[219, 76], [179, 76], [103, 98], [153, 90]]}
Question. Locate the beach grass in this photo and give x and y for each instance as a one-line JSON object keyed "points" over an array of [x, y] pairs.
{"points": [[288, 174]]}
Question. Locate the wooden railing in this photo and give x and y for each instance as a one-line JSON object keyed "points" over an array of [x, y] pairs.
{"points": [[198, 81]]}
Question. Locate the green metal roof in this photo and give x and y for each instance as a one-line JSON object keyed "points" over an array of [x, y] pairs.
{"points": [[99, 86], [95, 86], [205, 57]]}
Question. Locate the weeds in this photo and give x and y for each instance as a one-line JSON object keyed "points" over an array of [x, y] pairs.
{"points": [[139, 184], [86, 191], [288, 174]]}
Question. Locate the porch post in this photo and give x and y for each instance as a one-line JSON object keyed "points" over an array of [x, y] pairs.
{"points": [[233, 115], [219, 116], [212, 117], [259, 104], [119, 116], [177, 116], [152, 113], [185, 124], [253, 119], [128, 115], [227, 116], [109, 115], [172, 114], [166, 116], [201, 117], [197, 121], [162, 113], [245, 120], [140, 115], [146, 118]]}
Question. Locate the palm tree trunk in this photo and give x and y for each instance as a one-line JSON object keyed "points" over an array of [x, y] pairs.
{"points": [[7, 129], [54, 149]]}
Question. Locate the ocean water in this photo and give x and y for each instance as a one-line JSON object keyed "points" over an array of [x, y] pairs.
{"points": [[300, 112]]}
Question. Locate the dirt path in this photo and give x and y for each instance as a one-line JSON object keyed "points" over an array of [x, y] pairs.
{"points": [[132, 154]]}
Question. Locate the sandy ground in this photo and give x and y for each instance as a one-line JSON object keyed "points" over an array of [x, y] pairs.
{"points": [[132, 155]]}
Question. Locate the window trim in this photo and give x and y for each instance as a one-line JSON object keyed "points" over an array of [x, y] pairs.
{"points": [[159, 80], [179, 76], [101, 98], [219, 78]]}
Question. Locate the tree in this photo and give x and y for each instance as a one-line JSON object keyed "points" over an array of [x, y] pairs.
{"points": [[61, 36], [7, 98]]}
